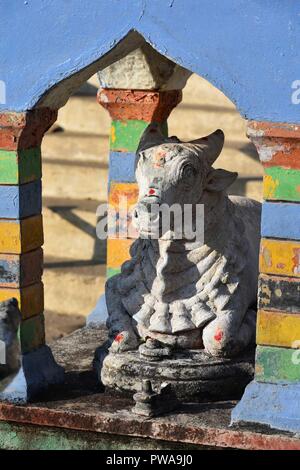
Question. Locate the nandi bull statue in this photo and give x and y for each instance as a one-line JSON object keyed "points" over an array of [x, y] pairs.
{"points": [[183, 311]]}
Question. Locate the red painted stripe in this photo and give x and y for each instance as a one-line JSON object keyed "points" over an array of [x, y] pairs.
{"points": [[25, 130], [274, 129], [141, 105], [284, 152]]}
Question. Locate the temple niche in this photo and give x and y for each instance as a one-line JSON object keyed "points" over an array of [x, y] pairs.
{"points": [[209, 314]]}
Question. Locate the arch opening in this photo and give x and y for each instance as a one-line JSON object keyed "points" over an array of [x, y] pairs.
{"points": [[203, 109], [140, 86]]}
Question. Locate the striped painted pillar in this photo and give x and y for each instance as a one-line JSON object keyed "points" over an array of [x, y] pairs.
{"points": [[131, 112], [21, 229], [274, 397]]}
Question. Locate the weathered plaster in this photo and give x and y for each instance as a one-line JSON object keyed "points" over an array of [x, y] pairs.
{"points": [[144, 69], [276, 405]]}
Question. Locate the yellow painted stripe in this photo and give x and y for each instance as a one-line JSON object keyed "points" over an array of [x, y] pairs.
{"points": [[10, 236], [21, 236], [30, 299], [280, 257], [278, 329], [117, 251], [126, 193], [32, 235]]}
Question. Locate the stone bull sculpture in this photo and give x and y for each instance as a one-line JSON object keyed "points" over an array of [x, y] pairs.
{"points": [[186, 294]]}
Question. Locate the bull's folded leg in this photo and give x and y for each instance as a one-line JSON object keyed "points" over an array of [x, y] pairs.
{"points": [[227, 336], [120, 324]]}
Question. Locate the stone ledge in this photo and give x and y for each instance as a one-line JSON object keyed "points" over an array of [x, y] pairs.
{"points": [[79, 405]]}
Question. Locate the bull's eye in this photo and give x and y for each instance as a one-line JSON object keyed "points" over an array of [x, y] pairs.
{"points": [[187, 174]]}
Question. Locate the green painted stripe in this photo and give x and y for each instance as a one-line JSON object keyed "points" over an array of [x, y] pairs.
{"points": [[125, 135], [112, 272], [14, 436], [32, 333], [20, 166], [277, 365], [30, 164], [282, 184]]}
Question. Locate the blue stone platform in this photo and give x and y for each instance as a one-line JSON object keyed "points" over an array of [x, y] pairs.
{"points": [[276, 405]]}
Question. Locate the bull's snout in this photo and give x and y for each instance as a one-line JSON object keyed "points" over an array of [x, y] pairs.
{"points": [[146, 215]]}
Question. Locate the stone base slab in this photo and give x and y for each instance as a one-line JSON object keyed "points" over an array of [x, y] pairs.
{"points": [[76, 414], [193, 375]]}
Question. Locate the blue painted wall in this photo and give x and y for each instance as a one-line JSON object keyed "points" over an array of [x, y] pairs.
{"points": [[18, 202], [122, 167], [280, 220], [250, 49]]}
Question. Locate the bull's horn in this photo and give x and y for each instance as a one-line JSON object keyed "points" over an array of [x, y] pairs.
{"points": [[151, 137], [211, 145]]}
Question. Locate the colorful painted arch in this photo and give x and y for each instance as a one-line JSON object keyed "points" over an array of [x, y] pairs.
{"points": [[185, 31]]}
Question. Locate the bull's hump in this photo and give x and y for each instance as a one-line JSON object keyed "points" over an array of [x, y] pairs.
{"points": [[245, 202]]}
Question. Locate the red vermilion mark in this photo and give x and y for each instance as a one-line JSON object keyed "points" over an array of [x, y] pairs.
{"points": [[119, 338], [219, 335], [151, 191]]}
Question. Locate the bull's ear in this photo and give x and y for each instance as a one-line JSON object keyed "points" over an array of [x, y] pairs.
{"points": [[210, 146], [219, 180], [152, 136]]}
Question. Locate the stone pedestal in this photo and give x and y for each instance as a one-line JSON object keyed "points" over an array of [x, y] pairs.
{"points": [[193, 375]]}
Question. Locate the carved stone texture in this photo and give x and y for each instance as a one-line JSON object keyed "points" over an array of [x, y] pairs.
{"points": [[186, 294], [150, 403], [144, 69], [192, 375]]}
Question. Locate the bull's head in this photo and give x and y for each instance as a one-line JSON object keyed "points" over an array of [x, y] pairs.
{"points": [[170, 172]]}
